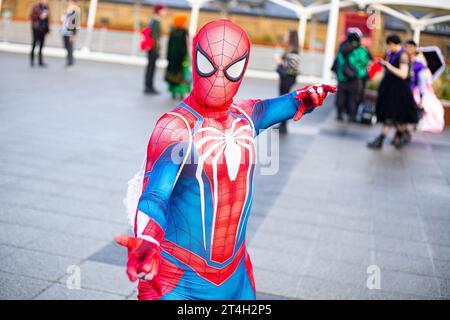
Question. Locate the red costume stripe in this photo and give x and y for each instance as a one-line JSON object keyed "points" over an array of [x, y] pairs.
{"points": [[215, 275]]}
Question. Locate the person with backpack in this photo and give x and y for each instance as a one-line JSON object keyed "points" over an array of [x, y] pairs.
{"points": [[70, 25], [350, 67], [288, 66], [40, 27], [160, 10]]}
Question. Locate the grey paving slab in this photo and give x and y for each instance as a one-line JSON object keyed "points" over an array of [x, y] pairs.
{"points": [[60, 203], [395, 215], [275, 283], [346, 223], [6, 250], [404, 263], [444, 286], [81, 193], [44, 222], [60, 292], [68, 245], [362, 258], [440, 252], [28, 217], [297, 246], [17, 287], [402, 247], [310, 288], [104, 277], [346, 237], [344, 253], [278, 262], [5, 178], [439, 237], [412, 233], [267, 296], [410, 284], [289, 227], [378, 294], [442, 268], [329, 211], [111, 253], [337, 271], [17, 235], [36, 264]]}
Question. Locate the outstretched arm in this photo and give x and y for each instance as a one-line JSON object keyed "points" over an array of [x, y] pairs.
{"points": [[294, 105], [166, 154]]}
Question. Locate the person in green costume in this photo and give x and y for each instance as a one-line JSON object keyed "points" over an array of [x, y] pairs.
{"points": [[178, 75]]}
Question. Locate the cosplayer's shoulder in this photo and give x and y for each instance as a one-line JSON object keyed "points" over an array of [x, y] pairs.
{"points": [[245, 106], [178, 123], [171, 129]]}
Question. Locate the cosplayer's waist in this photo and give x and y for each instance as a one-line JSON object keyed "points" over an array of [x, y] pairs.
{"points": [[199, 265]]}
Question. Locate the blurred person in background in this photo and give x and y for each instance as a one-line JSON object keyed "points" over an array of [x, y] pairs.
{"points": [[288, 67], [40, 26], [160, 11], [395, 103], [70, 25], [177, 72], [350, 67], [432, 111]]}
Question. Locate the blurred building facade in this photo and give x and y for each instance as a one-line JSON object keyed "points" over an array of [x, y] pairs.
{"points": [[265, 22]]}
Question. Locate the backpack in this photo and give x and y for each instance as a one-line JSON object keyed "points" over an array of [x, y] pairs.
{"points": [[366, 113], [147, 42], [349, 71], [291, 64]]}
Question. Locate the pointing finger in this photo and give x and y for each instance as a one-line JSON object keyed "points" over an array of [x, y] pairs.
{"points": [[329, 88], [132, 273], [300, 112], [126, 241], [122, 240]]}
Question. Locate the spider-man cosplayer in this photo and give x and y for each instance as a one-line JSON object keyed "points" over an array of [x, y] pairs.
{"points": [[191, 221]]}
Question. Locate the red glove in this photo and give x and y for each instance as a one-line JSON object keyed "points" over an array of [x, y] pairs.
{"points": [[143, 259], [311, 97]]}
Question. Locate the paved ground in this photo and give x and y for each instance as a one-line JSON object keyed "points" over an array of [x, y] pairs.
{"points": [[69, 141]]}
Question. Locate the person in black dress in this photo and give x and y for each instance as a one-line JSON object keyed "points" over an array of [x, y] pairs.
{"points": [[395, 106]]}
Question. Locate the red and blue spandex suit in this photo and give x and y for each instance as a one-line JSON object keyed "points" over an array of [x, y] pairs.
{"points": [[191, 221]]}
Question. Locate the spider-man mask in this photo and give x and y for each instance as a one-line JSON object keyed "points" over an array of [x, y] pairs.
{"points": [[220, 54]]}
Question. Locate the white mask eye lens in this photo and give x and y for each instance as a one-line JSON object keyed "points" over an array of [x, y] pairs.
{"points": [[204, 66], [234, 71]]}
